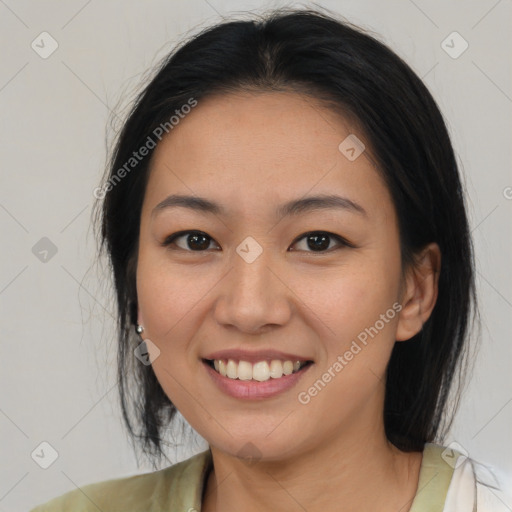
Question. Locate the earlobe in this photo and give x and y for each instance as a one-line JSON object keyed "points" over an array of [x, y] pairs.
{"points": [[420, 294]]}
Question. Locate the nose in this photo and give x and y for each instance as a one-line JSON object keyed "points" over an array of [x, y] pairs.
{"points": [[253, 297]]}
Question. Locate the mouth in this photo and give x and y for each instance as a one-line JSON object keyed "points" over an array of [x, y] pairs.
{"points": [[259, 371]]}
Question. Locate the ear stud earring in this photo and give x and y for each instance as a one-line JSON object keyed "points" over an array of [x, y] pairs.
{"points": [[139, 329]]}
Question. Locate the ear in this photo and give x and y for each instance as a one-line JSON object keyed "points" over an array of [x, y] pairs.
{"points": [[419, 293]]}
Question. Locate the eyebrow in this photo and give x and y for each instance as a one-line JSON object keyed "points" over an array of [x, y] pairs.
{"points": [[294, 207]]}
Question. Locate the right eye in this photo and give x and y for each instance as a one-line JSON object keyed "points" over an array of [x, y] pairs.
{"points": [[194, 241]]}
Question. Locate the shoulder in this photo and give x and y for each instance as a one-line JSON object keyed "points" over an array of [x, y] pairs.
{"points": [[167, 489], [493, 487], [467, 484], [451, 481]]}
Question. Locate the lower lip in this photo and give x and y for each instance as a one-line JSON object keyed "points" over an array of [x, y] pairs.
{"points": [[252, 389]]}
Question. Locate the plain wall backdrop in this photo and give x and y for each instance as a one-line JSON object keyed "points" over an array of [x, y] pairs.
{"points": [[58, 375]]}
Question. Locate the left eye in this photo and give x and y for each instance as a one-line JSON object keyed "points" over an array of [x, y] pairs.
{"points": [[198, 241], [319, 241]]}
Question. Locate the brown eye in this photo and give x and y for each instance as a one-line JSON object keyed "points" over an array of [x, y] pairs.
{"points": [[320, 241], [198, 241], [193, 241]]}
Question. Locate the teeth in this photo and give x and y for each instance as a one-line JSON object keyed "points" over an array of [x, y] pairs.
{"points": [[260, 371], [287, 367], [232, 369], [276, 369], [244, 370]]}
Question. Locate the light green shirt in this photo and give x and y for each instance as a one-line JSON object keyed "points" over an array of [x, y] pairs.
{"points": [[179, 488]]}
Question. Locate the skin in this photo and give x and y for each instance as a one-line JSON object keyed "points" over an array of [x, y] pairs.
{"points": [[250, 153]]}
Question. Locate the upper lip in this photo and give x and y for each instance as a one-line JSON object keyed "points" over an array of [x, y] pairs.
{"points": [[255, 356]]}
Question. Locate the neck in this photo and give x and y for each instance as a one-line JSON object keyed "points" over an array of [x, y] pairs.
{"points": [[349, 473]]}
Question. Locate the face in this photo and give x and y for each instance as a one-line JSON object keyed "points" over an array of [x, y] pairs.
{"points": [[252, 281]]}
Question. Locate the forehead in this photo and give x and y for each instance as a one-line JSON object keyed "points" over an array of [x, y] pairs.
{"points": [[264, 148]]}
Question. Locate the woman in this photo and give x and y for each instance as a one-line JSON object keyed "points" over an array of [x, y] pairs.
{"points": [[294, 273]]}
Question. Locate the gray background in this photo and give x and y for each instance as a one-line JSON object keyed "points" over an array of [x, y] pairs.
{"points": [[58, 351]]}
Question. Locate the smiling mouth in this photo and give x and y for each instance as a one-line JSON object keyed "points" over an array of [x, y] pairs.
{"points": [[260, 371]]}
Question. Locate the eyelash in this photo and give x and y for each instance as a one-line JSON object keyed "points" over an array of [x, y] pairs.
{"points": [[342, 241]]}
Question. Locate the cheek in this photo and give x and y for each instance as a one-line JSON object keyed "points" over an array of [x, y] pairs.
{"points": [[169, 302], [173, 303], [168, 293], [350, 300], [361, 321], [359, 309]]}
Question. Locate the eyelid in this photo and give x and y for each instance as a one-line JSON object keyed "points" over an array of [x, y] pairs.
{"points": [[341, 240], [168, 240]]}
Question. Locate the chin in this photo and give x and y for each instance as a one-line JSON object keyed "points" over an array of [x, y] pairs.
{"points": [[254, 448]]}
